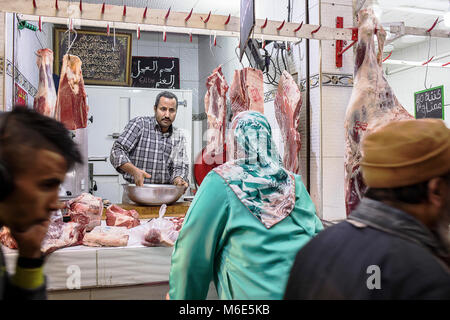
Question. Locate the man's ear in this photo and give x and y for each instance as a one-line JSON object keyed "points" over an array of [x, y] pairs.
{"points": [[437, 192]]}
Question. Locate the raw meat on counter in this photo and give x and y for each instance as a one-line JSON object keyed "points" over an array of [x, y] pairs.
{"points": [[106, 236], [216, 110], [86, 205], [72, 234], [372, 103], [6, 238], [116, 216], [247, 91], [288, 102], [71, 107], [45, 99], [162, 231]]}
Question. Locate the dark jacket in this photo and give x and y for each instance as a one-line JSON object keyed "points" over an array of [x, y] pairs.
{"points": [[8, 291], [342, 261]]}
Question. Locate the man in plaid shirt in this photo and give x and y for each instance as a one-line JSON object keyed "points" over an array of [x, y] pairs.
{"points": [[151, 150]]}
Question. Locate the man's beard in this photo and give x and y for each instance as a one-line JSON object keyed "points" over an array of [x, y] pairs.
{"points": [[442, 232]]}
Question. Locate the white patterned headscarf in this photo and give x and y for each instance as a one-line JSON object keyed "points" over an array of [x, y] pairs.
{"points": [[254, 170]]}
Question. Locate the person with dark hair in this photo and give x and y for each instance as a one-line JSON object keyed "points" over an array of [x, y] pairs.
{"points": [[35, 154], [395, 244], [151, 149]]}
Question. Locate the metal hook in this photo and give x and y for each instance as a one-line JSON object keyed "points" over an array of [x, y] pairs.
{"points": [[188, 16], [228, 19], [70, 44]]}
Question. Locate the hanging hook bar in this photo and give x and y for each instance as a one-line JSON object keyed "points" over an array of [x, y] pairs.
{"points": [[56, 5], [207, 18], [281, 26], [434, 25], [124, 10], [188, 16], [107, 29], [40, 24], [390, 53], [81, 5], [314, 31], [228, 19], [103, 8], [264, 25], [299, 27], [34, 4]]}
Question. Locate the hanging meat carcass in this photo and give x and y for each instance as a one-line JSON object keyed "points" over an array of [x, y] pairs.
{"points": [[71, 107], [247, 91], [45, 100], [372, 103], [288, 102], [216, 110]]}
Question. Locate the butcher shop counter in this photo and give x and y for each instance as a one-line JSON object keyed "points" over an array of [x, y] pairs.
{"points": [[148, 212]]}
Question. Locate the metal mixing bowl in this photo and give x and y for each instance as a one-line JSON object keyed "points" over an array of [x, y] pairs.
{"points": [[154, 194]]}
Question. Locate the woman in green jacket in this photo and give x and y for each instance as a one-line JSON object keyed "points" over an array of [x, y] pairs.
{"points": [[246, 223]]}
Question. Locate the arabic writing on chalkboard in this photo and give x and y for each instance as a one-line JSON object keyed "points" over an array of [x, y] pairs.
{"points": [[104, 61], [155, 72], [429, 103]]}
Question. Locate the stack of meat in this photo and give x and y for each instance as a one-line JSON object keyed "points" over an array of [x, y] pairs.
{"points": [[45, 100], [107, 237], [116, 216], [69, 106], [247, 91], [59, 234], [71, 234], [288, 102], [86, 206], [372, 104]]}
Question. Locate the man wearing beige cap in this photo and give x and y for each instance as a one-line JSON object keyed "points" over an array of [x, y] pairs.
{"points": [[395, 245]]}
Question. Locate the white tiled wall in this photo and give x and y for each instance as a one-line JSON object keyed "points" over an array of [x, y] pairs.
{"points": [[407, 82]]}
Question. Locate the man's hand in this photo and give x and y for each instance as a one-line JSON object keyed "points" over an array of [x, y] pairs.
{"points": [[29, 241], [178, 181], [139, 176]]}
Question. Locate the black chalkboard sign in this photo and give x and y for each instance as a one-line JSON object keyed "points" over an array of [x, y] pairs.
{"points": [[429, 103], [155, 72], [106, 60]]}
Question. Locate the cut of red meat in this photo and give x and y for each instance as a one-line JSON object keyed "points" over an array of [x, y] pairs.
{"points": [[116, 216], [247, 91], [372, 105], [216, 110], [45, 100], [288, 102], [71, 107]]}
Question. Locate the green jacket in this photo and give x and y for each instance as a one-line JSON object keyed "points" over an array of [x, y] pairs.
{"points": [[222, 242]]}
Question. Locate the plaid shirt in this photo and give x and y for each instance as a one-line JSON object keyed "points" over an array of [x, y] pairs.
{"points": [[163, 155]]}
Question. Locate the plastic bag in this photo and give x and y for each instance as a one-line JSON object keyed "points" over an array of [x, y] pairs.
{"points": [[161, 231]]}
